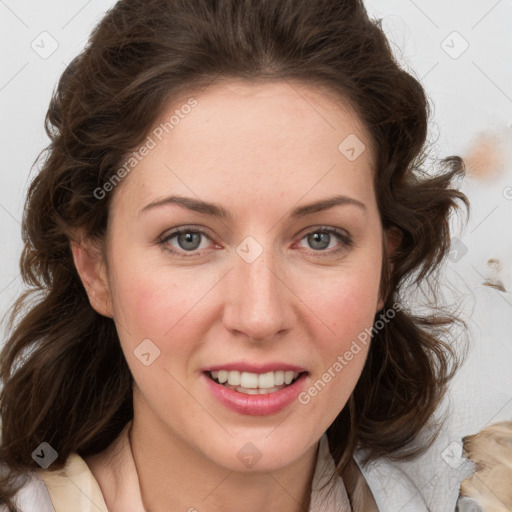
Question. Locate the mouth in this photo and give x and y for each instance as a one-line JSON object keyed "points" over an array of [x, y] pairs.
{"points": [[254, 383]]}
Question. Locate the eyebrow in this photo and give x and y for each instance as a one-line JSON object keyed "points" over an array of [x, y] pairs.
{"points": [[215, 210]]}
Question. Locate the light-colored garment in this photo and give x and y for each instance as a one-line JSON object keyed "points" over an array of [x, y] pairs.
{"points": [[74, 488]]}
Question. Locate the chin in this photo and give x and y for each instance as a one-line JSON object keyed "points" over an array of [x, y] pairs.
{"points": [[257, 452]]}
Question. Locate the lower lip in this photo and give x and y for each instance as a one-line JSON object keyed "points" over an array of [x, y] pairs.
{"points": [[256, 405]]}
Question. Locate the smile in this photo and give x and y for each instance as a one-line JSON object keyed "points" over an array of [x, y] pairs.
{"points": [[255, 394], [254, 383]]}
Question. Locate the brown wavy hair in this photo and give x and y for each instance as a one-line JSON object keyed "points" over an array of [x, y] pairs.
{"points": [[65, 379]]}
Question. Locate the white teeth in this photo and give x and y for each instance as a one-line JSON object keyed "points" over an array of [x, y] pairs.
{"points": [[251, 382], [278, 378], [266, 380], [288, 377], [234, 378]]}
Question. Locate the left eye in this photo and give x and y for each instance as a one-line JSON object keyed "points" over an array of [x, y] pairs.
{"points": [[322, 239]]}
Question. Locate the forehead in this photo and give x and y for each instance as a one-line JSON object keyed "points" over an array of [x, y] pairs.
{"points": [[245, 139]]}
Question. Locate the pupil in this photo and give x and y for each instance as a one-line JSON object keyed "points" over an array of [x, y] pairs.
{"points": [[316, 242], [189, 241]]}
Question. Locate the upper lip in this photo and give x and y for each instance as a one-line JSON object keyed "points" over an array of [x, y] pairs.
{"points": [[255, 368]]}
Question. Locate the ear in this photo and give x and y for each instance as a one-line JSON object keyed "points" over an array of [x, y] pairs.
{"points": [[92, 269], [391, 241]]}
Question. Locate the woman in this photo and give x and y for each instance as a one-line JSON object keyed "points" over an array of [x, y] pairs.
{"points": [[231, 204]]}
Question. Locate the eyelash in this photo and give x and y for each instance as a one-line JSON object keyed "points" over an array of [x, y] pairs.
{"points": [[345, 238]]}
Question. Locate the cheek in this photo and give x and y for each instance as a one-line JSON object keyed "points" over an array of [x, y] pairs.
{"points": [[143, 305], [149, 306], [349, 311], [153, 302], [346, 303], [147, 302]]}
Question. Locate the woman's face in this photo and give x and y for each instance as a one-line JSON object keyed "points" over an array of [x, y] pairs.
{"points": [[276, 269]]}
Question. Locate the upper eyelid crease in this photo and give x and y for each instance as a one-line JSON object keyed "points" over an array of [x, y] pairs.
{"points": [[216, 210]]}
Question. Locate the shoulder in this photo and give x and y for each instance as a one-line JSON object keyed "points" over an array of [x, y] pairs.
{"points": [[391, 486], [426, 484]]}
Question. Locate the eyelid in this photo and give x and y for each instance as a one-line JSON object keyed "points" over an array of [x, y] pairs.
{"points": [[324, 228], [185, 229]]}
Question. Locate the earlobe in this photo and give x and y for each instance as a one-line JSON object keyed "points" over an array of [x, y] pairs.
{"points": [[93, 273]]}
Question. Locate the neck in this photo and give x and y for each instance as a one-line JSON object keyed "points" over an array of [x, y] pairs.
{"points": [[174, 476]]}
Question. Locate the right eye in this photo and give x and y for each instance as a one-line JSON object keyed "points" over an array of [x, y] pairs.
{"points": [[185, 240]]}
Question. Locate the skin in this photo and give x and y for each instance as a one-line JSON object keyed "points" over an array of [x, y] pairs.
{"points": [[258, 150]]}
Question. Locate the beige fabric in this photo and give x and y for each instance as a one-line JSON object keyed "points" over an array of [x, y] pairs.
{"points": [[332, 497], [74, 488]]}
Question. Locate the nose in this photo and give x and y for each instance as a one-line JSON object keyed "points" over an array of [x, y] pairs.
{"points": [[259, 301]]}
